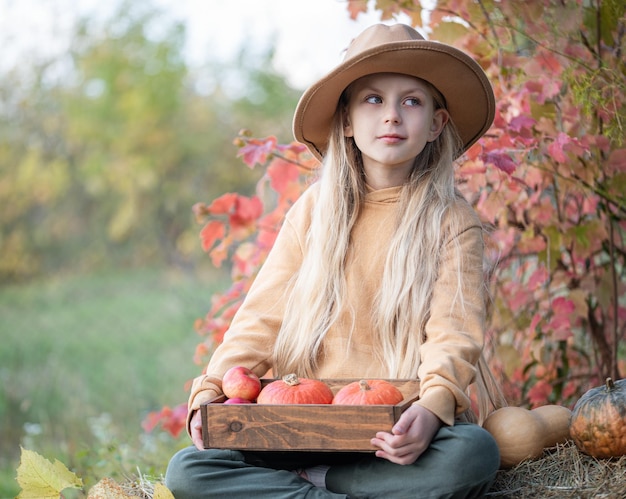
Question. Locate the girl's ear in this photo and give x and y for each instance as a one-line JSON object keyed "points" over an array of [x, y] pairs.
{"points": [[440, 119], [347, 127]]}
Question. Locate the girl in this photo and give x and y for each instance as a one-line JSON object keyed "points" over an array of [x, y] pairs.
{"points": [[376, 273]]}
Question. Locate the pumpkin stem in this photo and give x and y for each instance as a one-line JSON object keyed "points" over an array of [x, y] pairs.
{"points": [[364, 385], [610, 385], [291, 379]]}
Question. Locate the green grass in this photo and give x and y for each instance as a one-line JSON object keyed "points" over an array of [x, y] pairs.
{"points": [[83, 359]]}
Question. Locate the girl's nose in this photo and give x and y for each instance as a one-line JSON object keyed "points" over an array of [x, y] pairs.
{"points": [[392, 115]]}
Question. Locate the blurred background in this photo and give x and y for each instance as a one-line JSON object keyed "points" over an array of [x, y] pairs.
{"points": [[115, 119]]}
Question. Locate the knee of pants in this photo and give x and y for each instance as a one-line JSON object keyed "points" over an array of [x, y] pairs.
{"points": [[475, 449], [177, 475], [189, 468]]}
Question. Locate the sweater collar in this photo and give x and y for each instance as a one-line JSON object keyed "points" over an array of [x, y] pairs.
{"points": [[388, 195]]}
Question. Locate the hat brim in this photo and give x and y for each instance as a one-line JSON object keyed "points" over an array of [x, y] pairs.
{"points": [[464, 85]]}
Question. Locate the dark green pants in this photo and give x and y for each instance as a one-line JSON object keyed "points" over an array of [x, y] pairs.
{"points": [[461, 462]]}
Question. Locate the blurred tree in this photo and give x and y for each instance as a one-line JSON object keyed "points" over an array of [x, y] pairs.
{"points": [[104, 150], [267, 97]]}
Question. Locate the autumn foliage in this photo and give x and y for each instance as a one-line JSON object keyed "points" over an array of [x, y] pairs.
{"points": [[548, 180]]}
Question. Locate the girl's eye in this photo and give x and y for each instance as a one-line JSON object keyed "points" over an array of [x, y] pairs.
{"points": [[413, 101], [373, 99]]}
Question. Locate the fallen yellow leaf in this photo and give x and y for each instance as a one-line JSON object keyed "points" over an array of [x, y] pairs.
{"points": [[162, 492], [41, 479]]}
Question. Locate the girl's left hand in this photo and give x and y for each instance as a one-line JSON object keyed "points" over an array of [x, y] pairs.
{"points": [[409, 437]]}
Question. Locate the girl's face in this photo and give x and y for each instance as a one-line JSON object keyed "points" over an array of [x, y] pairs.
{"points": [[391, 118]]}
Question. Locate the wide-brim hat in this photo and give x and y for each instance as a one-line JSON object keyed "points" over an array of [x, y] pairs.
{"points": [[399, 49]]}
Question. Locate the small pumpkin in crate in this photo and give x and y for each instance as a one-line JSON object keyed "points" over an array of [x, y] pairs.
{"points": [[522, 434], [368, 392], [294, 390], [598, 424]]}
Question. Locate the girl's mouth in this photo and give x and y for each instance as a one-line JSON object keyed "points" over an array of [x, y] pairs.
{"points": [[391, 138]]}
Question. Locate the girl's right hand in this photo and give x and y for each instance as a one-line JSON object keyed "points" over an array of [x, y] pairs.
{"points": [[409, 437], [196, 430]]}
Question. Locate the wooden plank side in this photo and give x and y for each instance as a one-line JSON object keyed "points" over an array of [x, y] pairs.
{"points": [[298, 427]]}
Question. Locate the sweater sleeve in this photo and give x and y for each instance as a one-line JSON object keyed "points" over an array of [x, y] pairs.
{"points": [[454, 335], [250, 338]]}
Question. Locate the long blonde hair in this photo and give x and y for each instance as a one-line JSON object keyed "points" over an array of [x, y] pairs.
{"points": [[403, 303]]}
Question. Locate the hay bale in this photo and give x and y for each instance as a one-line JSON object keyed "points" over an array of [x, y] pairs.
{"points": [[563, 472]]}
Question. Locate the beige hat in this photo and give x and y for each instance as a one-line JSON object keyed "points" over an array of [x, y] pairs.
{"points": [[399, 49]]}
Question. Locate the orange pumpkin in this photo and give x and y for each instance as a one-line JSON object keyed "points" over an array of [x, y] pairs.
{"points": [[294, 390], [598, 424], [372, 392]]}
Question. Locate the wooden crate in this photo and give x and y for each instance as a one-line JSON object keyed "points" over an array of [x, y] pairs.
{"points": [[302, 427]]}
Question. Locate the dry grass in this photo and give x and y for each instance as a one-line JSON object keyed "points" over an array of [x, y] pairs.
{"points": [[563, 472], [141, 486]]}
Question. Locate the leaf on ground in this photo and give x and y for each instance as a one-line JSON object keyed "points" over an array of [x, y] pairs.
{"points": [[107, 489], [40, 479], [162, 492]]}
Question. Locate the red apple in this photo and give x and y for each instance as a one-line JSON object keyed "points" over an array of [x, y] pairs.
{"points": [[237, 400], [241, 382]]}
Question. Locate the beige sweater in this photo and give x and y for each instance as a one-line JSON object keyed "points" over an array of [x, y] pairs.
{"points": [[454, 340]]}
